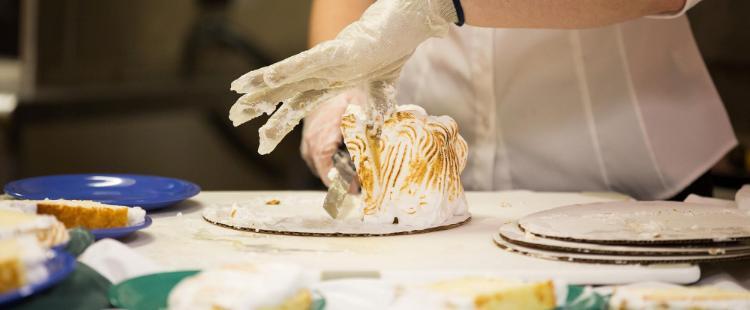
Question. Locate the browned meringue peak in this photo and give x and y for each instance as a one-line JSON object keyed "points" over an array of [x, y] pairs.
{"points": [[409, 170]]}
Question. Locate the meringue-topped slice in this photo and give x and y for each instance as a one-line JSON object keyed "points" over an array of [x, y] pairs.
{"points": [[270, 286], [21, 263]]}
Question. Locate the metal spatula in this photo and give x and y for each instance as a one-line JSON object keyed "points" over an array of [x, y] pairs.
{"points": [[334, 202]]}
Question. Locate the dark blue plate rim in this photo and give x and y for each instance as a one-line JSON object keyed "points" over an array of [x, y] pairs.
{"points": [[61, 246], [120, 231], [189, 190], [59, 266]]}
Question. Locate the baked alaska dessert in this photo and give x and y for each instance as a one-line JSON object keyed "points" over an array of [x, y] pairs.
{"points": [[21, 263], [409, 168], [47, 229], [83, 213], [704, 298], [262, 286], [480, 293]]}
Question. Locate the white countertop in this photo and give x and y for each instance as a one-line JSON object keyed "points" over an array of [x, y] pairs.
{"points": [[180, 239]]}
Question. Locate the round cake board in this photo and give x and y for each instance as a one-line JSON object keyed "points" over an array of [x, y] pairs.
{"points": [[613, 259], [303, 215], [512, 233], [640, 222]]}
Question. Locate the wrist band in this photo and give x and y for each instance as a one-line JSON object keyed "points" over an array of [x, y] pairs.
{"points": [[459, 12]]}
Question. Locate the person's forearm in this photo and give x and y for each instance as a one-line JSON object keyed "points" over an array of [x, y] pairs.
{"points": [[561, 13], [329, 17]]}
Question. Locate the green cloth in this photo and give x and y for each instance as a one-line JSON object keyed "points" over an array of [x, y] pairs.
{"points": [[584, 298], [83, 289]]}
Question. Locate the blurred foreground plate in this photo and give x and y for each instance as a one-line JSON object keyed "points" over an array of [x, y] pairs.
{"points": [[146, 292], [152, 291], [147, 192], [59, 267]]}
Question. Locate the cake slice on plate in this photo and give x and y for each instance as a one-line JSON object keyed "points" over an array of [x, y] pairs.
{"points": [[21, 263], [47, 229], [84, 213], [91, 214], [480, 293], [266, 286]]}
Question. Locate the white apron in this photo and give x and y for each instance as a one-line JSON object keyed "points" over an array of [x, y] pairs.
{"points": [[628, 108]]}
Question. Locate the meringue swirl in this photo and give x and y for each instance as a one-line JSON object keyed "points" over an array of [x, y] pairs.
{"points": [[409, 169]]}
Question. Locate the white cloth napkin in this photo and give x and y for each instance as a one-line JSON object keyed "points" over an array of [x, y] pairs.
{"points": [[711, 201], [116, 261], [743, 198]]}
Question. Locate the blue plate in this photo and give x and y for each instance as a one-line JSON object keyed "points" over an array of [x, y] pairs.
{"points": [[147, 192], [120, 232], [59, 267]]}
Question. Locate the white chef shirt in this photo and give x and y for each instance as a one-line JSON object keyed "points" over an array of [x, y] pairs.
{"points": [[628, 108]]}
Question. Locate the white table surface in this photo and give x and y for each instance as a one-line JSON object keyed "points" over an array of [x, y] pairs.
{"points": [[180, 239]]}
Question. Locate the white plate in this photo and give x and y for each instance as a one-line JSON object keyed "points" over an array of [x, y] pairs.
{"points": [[640, 222]]}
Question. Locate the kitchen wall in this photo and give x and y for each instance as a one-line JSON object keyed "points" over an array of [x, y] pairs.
{"points": [[722, 31], [111, 91]]}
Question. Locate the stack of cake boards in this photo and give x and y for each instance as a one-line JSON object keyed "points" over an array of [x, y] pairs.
{"points": [[634, 232]]}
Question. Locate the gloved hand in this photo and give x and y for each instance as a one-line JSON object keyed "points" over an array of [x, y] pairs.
{"points": [[370, 52], [321, 133]]}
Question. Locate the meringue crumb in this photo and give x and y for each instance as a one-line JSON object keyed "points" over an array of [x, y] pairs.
{"points": [[273, 202], [716, 251]]}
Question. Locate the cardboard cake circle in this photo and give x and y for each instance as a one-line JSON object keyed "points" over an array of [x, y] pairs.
{"points": [[613, 259], [513, 234], [640, 222], [303, 215]]}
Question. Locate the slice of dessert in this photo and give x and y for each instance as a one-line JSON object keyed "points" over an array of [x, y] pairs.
{"points": [[47, 229], [481, 293], [267, 287], [91, 214], [84, 213], [678, 298], [21, 263]]}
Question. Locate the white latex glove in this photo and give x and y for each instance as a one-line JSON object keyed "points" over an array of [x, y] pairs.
{"points": [[321, 134], [370, 52]]}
